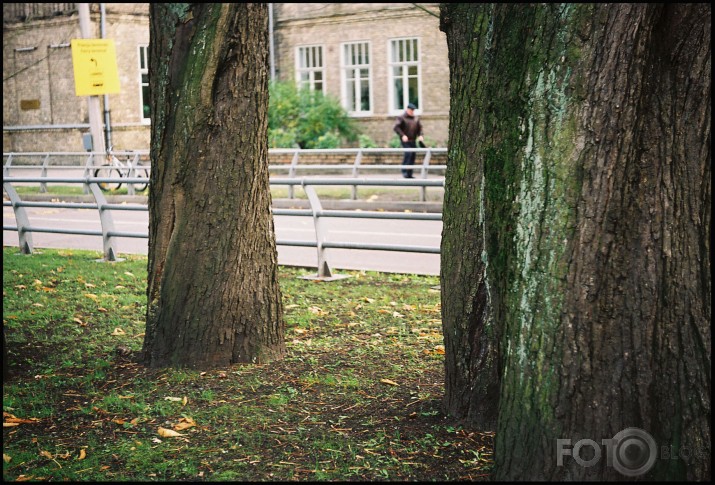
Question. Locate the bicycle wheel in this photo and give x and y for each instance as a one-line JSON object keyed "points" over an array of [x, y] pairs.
{"points": [[141, 172], [108, 171]]}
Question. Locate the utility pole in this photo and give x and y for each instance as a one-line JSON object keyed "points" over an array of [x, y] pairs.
{"points": [[95, 113]]}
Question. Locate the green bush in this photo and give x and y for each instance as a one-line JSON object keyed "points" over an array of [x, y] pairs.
{"points": [[365, 141], [328, 140], [280, 138], [308, 116]]}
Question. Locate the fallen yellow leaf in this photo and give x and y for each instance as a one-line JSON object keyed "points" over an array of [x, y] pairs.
{"points": [[46, 454], [317, 310], [91, 295], [6, 458], [118, 331], [389, 382], [82, 454], [11, 420], [185, 423], [168, 433]]}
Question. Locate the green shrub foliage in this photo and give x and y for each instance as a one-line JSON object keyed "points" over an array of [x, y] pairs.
{"points": [[307, 119]]}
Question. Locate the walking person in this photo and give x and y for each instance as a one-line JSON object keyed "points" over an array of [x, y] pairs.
{"points": [[409, 129]]}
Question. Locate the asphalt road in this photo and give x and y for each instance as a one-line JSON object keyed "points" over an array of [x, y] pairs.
{"points": [[288, 228]]}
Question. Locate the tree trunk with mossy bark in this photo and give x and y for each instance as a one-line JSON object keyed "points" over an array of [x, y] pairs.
{"points": [[213, 294], [576, 248]]}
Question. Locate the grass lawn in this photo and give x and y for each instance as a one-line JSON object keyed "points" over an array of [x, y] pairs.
{"points": [[357, 397], [433, 194]]}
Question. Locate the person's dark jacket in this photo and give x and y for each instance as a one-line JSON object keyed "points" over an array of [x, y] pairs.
{"points": [[408, 125]]}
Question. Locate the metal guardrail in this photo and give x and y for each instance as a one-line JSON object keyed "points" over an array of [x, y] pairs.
{"points": [[109, 233], [423, 168]]}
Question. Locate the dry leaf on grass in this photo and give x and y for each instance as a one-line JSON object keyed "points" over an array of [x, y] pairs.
{"points": [[25, 478], [9, 420], [168, 433], [389, 382], [82, 454], [118, 331], [185, 423]]}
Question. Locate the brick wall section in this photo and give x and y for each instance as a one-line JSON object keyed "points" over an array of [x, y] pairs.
{"points": [[330, 24], [38, 84], [367, 159]]}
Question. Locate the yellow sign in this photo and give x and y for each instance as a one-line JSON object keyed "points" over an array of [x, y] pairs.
{"points": [[95, 67]]}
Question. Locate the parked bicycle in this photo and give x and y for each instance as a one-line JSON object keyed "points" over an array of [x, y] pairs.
{"points": [[117, 169]]}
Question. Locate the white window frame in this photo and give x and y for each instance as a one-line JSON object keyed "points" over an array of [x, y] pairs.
{"points": [[143, 51], [346, 67], [307, 53], [404, 65]]}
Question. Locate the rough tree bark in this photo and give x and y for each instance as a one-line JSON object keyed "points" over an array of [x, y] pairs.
{"points": [[579, 176], [213, 294], [471, 344]]}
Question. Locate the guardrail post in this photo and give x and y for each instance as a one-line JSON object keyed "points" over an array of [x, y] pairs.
{"points": [[324, 272], [291, 173], [131, 174], [87, 173], [105, 218], [358, 159], [43, 173], [6, 166], [423, 174], [23, 222]]}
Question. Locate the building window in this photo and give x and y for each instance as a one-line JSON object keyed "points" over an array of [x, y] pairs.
{"points": [[356, 92], [404, 87], [144, 84], [309, 67]]}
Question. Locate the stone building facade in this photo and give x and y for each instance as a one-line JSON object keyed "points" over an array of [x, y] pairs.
{"points": [[40, 109], [372, 56], [380, 39]]}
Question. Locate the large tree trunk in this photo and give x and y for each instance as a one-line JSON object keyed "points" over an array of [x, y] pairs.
{"points": [[590, 129], [471, 374], [213, 294]]}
